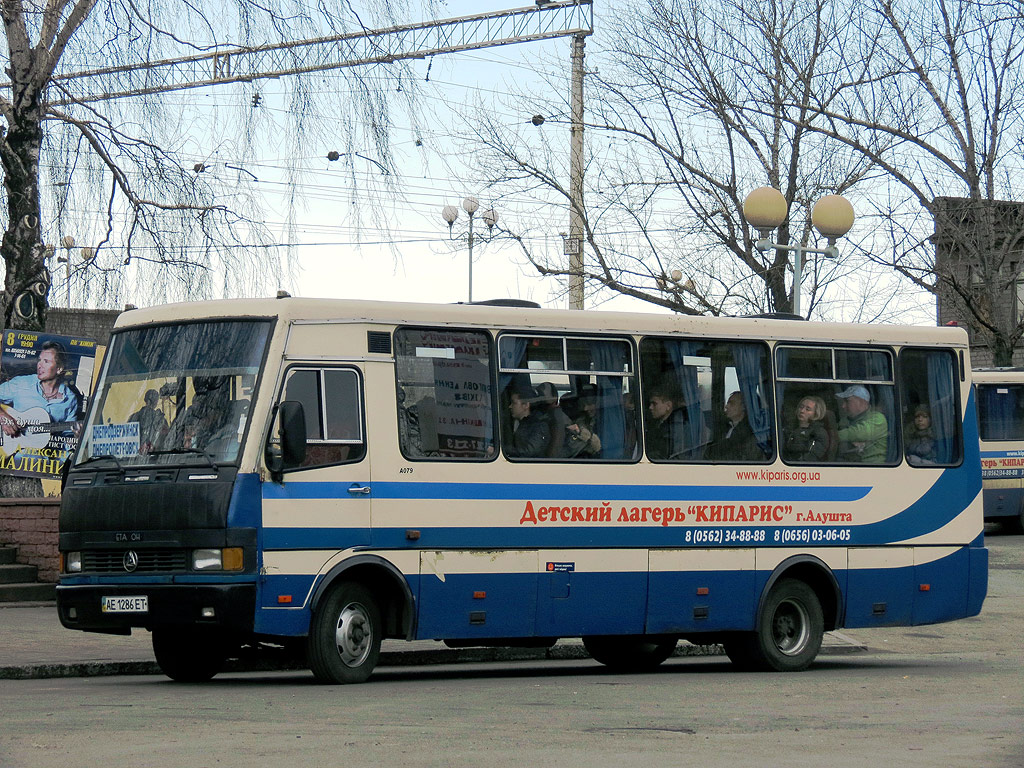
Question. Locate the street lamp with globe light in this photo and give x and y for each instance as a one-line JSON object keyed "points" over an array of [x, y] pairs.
{"points": [[765, 209], [470, 205]]}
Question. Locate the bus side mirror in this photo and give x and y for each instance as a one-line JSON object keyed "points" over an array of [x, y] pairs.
{"points": [[290, 448]]}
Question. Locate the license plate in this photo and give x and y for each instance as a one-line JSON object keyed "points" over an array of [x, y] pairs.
{"points": [[132, 604]]}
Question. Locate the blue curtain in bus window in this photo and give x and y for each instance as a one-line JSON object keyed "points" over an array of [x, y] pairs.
{"points": [[884, 398], [995, 412], [686, 376], [943, 410], [512, 352], [749, 372], [611, 428]]}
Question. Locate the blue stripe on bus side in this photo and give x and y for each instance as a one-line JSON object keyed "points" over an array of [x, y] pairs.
{"points": [[527, 604], [443, 537], [293, 490]]}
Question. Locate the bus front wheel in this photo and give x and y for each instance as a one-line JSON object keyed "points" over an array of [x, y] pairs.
{"points": [[630, 653], [788, 634], [344, 638], [189, 656]]}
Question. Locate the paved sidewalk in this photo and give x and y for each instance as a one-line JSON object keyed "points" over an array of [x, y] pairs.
{"points": [[33, 644]]}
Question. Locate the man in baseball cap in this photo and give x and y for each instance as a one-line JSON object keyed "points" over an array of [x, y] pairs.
{"points": [[863, 431]]}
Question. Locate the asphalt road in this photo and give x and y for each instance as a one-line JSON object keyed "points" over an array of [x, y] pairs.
{"points": [[943, 695]]}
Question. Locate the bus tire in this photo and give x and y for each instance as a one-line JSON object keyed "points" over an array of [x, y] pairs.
{"points": [[189, 656], [630, 653], [788, 635], [344, 638]]}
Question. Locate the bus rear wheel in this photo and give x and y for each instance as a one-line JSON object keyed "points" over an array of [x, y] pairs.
{"points": [[344, 638], [189, 655], [630, 653], [788, 634]]}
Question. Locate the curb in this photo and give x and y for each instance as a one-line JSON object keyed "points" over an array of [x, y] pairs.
{"points": [[412, 658]]}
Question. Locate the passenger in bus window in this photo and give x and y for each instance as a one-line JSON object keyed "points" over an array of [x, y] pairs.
{"points": [[665, 431], [807, 440], [530, 431], [863, 431], [920, 438], [152, 422], [735, 441], [629, 408], [558, 421], [583, 430]]}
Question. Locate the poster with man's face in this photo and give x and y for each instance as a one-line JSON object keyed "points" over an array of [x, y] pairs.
{"points": [[45, 381]]}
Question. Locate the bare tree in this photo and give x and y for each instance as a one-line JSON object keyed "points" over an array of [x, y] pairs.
{"points": [[153, 186], [696, 104], [154, 182], [934, 97]]}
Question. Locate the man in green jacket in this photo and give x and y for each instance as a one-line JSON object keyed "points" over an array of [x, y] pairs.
{"points": [[863, 432]]}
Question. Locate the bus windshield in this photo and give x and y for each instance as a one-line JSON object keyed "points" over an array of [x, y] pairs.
{"points": [[176, 394]]}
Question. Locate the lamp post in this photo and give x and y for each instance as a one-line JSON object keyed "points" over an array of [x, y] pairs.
{"points": [[67, 242], [765, 209], [470, 205]]}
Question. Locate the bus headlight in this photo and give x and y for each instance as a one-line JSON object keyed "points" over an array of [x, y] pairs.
{"points": [[72, 562], [228, 559]]}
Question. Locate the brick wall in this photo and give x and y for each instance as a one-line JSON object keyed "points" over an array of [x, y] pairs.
{"points": [[31, 525], [90, 323]]}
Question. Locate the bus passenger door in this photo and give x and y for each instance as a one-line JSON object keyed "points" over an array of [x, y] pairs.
{"points": [[322, 506]]}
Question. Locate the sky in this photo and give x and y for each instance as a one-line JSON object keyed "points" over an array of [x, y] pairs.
{"points": [[401, 248], [428, 262]]}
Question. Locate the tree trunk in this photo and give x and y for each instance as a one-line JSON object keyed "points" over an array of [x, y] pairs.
{"points": [[27, 280], [1002, 351]]}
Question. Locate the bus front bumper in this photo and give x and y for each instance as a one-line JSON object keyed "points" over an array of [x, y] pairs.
{"points": [[117, 609]]}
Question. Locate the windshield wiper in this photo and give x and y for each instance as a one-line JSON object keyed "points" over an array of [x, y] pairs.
{"points": [[101, 457], [178, 451]]}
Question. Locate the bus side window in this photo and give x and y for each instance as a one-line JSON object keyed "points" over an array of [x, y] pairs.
{"points": [[931, 425], [706, 401], [444, 390], [332, 405], [567, 398]]}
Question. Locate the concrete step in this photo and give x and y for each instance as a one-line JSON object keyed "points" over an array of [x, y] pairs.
{"points": [[19, 593], [17, 573], [8, 554]]}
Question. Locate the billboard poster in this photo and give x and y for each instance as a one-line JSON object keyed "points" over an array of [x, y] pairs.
{"points": [[45, 380]]}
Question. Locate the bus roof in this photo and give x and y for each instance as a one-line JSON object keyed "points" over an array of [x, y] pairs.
{"points": [[1009, 375], [303, 310]]}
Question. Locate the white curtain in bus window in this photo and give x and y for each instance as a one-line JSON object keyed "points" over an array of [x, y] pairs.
{"points": [[706, 401], [931, 424], [1001, 411], [445, 407]]}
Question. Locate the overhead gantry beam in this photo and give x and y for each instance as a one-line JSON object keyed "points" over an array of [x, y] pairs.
{"points": [[562, 18]]}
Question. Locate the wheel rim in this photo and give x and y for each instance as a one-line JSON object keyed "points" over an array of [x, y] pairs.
{"points": [[791, 627], [353, 635]]}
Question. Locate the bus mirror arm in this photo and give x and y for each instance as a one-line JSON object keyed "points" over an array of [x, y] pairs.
{"points": [[290, 450]]}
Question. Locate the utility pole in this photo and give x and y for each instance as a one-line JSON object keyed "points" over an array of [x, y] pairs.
{"points": [[574, 245]]}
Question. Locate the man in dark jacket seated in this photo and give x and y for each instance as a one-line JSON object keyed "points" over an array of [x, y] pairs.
{"points": [[530, 431], [736, 439]]}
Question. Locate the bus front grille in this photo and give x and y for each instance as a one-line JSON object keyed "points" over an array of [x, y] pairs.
{"points": [[149, 561]]}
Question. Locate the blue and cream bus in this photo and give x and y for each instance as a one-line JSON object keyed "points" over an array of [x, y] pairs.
{"points": [[1000, 395], [320, 475]]}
